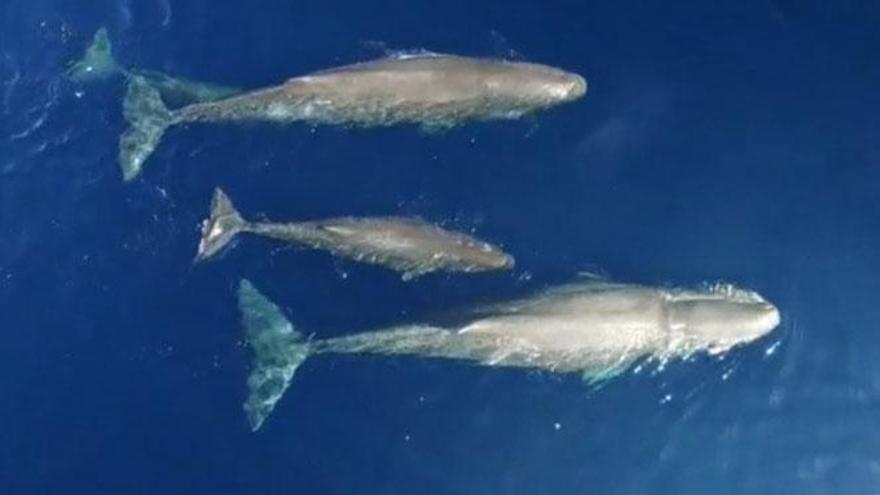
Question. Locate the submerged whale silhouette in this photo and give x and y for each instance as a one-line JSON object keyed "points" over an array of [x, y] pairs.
{"points": [[98, 63]]}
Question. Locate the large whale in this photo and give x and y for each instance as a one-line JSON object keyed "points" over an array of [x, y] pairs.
{"points": [[408, 245], [597, 329], [427, 89]]}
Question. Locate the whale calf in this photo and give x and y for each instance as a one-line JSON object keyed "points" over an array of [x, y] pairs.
{"points": [[593, 328], [408, 245], [430, 90], [98, 63]]}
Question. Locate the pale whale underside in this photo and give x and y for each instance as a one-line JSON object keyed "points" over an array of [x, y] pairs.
{"points": [[410, 246], [433, 91], [592, 328]]}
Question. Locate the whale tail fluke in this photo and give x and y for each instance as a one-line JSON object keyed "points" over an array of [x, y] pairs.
{"points": [[148, 117], [220, 227], [277, 350], [97, 62]]}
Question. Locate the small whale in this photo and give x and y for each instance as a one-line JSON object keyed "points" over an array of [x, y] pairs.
{"points": [[98, 63], [407, 245], [596, 329], [433, 91]]}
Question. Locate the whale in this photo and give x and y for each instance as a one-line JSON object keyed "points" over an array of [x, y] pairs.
{"points": [[596, 329], [433, 91], [408, 245], [98, 63]]}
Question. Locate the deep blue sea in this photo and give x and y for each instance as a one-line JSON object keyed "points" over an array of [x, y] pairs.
{"points": [[719, 141]]}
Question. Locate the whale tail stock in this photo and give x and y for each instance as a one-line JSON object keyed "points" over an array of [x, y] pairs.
{"points": [[223, 224], [277, 350], [148, 117]]}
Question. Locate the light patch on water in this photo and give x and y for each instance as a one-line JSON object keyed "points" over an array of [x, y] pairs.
{"points": [[661, 366], [165, 6], [35, 125], [776, 397], [666, 399]]}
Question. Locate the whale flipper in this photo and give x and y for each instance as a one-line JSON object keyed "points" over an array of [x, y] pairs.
{"points": [[277, 351], [98, 61], [221, 227], [148, 118]]}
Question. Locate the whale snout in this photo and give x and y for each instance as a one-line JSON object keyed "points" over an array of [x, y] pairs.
{"points": [[567, 87], [770, 318], [577, 88], [719, 323], [506, 262]]}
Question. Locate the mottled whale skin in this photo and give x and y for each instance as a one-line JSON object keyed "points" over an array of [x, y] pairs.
{"points": [[433, 91], [407, 245], [597, 329]]}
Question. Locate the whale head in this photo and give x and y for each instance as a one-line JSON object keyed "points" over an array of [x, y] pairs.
{"points": [[719, 320], [537, 82]]}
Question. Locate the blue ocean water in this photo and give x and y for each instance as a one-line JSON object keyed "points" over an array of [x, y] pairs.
{"points": [[731, 141]]}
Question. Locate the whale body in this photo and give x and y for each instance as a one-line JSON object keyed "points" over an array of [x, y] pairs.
{"points": [[434, 91], [596, 329], [408, 245]]}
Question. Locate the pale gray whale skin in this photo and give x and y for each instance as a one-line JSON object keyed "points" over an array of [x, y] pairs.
{"points": [[430, 90], [98, 63], [407, 245], [597, 329]]}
